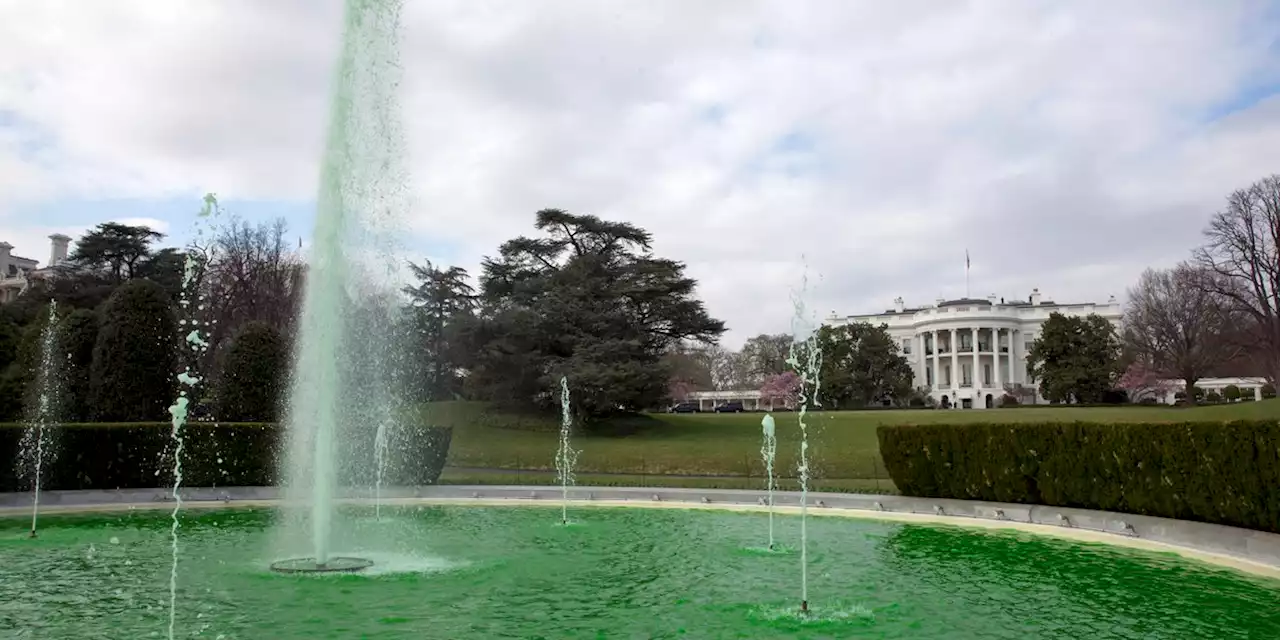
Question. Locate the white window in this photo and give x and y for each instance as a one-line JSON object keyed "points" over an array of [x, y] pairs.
{"points": [[986, 374], [906, 345]]}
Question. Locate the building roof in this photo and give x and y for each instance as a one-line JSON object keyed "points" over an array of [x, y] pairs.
{"points": [[964, 301]]}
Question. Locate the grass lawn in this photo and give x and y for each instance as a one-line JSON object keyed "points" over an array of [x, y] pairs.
{"points": [[723, 450]]}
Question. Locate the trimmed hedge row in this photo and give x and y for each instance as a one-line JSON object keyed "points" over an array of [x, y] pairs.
{"points": [[139, 455], [1223, 473]]}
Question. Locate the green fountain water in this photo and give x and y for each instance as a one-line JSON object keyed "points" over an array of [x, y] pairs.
{"points": [[359, 187]]}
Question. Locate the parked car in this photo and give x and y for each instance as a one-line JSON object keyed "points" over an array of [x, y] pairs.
{"points": [[685, 407], [730, 407]]}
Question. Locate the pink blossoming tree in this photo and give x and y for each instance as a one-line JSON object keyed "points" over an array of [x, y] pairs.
{"points": [[781, 389], [1141, 382]]}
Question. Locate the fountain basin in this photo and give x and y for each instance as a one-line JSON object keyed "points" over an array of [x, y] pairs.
{"points": [[455, 570]]}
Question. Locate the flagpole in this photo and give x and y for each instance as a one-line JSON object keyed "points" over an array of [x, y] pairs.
{"points": [[966, 273]]}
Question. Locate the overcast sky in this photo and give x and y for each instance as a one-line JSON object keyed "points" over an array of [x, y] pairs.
{"points": [[1065, 145]]}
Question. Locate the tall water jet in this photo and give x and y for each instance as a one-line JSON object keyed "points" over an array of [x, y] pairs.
{"points": [[191, 305], [341, 385], [42, 409], [805, 358], [565, 455], [768, 452]]}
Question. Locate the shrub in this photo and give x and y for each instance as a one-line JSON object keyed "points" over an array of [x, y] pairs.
{"points": [[79, 333], [1197, 393], [137, 455], [1268, 390], [1180, 395], [133, 371], [253, 375], [1223, 473], [1213, 396], [1115, 396], [1231, 393], [1008, 400]]}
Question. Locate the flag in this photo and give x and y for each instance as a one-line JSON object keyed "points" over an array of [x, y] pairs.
{"points": [[966, 259]]}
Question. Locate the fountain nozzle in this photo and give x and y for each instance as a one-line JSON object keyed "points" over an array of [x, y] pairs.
{"points": [[804, 607], [32, 534]]}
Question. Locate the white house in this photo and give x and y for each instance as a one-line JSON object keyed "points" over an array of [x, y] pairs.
{"points": [[964, 352], [17, 272]]}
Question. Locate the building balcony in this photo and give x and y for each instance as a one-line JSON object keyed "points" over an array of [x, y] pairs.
{"points": [[966, 385]]}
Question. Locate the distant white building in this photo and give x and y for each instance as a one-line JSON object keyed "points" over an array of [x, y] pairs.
{"points": [[17, 273], [963, 352]]}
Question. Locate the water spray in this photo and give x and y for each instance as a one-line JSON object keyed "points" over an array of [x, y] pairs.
{"points": [[565, 456], [768, 451]]}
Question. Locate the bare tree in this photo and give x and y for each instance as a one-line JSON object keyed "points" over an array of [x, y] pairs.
{"points": [[251, 274], [728, 369], [1175, 325], [1242, 255]]}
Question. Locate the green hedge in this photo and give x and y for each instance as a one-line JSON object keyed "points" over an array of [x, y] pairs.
{"points": [[1224, 473], [138, 455]]}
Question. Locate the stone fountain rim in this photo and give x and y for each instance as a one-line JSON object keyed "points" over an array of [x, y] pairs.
{"points": [[1246, 550]]}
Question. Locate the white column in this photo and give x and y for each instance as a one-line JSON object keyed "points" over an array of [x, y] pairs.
{"points": [[918, 339], [955, 360], [937, 379], [1014, 378], [975, 373], [1257, 394], [995, 361]]}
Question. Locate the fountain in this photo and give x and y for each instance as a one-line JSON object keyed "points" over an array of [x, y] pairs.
{"points": [[565, 455], [42, 414], [359, 186], [768, 451], [805, 357]]}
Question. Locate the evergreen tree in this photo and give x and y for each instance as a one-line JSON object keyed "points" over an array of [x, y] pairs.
{"points": [[131, 378], [79, 334], [861, 364], [253, 375], [589, 301], [1075, 358]]}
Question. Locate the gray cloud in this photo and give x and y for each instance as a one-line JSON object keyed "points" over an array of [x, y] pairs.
{"points": [[1066, 146]]}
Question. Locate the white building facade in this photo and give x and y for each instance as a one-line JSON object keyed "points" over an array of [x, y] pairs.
{"points": [[16, 273], [964, 352]]}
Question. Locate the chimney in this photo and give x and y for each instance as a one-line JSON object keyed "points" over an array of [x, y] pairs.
{"points": [[1035, 297], [898, 304], [58, 252]]}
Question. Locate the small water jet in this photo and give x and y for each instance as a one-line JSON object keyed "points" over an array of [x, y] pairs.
{"points": [[42, 415], [565, 455], [768, 451]]}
